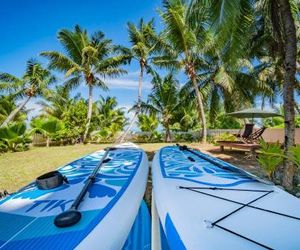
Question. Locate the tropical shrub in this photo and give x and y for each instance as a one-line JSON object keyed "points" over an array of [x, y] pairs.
{"points": [[296, 155], [75, 120], [270, 157], [224, 121], [49, 127], [225, 137], [146, 137], [14, 137]]}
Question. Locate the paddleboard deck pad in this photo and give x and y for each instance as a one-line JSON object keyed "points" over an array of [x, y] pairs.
{"points": [[205, 203], [108, 209]]}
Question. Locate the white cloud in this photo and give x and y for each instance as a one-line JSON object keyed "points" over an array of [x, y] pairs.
{"points": [[126, 83]]}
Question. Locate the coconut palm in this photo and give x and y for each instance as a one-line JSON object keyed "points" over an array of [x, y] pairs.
{"points": [[108, 119], [234, 19], [88, 59], [33, 83], [185, 42], [107, 114], [231, 86], [163, 100], [144, 45]]}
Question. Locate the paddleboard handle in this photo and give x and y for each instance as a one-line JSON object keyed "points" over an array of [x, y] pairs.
{"points": [[50, 180], [72, 216]]}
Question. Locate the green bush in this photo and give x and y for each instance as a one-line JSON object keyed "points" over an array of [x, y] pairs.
{"points": [[225, 137], [270, 157], [14, 137], [296, 155]]}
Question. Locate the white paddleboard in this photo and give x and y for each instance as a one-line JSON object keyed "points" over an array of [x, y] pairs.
{"points": [[205, 203], [108, 209]]}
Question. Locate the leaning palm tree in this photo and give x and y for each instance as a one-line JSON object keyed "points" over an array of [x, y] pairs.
{"points": [[144, 44], [233, 21], [7, 105], [163, 100], [183, 50], [88, 59], [33, 83]]}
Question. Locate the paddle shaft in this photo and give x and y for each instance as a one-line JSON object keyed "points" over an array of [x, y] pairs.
{"points": [[90, 181]]}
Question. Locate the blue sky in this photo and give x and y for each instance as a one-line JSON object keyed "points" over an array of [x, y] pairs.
{"points": [[29, 27]]}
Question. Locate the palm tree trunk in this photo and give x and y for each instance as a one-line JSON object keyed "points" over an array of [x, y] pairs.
{"points": [[47, 141], [139, 102], [290, 53], [89, 114], [201, 113], [297, 108], [168, 133], [15, 112]]}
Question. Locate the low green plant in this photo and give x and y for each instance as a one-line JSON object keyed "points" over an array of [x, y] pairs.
{"points": [[178, 137], [295, 152], [14, 137], [225, 137], [270, 157], [49, 127], [188, 137]]}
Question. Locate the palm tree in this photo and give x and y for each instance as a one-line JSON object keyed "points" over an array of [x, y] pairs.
{"points": [[88, 59], [232, 86], [185, 40], [163, 100], [107, 114], [149, 125], [33, 83], [144, 45], [108, 119], [234, 20], [7, 105]]}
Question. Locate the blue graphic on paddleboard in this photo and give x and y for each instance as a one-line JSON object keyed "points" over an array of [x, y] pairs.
{"points": [[175, 164]]}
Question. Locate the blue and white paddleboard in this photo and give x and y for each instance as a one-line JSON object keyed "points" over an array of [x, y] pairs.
{"points": [[108, 209], [204, 203]]}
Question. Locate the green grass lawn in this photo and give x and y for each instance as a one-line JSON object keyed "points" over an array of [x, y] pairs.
{"points": [[20, 168]]}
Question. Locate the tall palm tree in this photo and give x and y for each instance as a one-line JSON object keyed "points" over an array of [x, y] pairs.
{"points": [[144, 45], [185, 42], [33, 83], [88, 59], [163, 100], [235, 19]]}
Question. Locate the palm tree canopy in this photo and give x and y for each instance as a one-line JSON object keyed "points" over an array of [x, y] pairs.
{"points": [[145, 43], [33, 83], [164, 97], [87, 58]]}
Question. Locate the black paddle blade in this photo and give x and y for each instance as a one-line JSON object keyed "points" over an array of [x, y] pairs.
{"points": [[67, 218]]}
